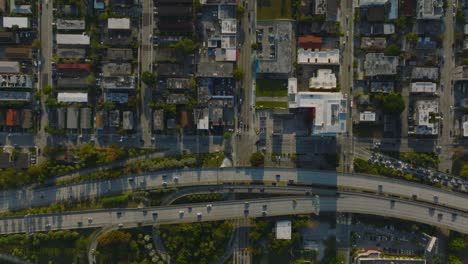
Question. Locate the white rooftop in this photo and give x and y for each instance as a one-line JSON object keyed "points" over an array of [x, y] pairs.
{"points": [[72, 39], [228, 26], [118, 23], [21, 22], [68, 97], [308, 56], [330, 108], [283, 229], [367, 116], [423, 87], [424, 108], [325, 79]]}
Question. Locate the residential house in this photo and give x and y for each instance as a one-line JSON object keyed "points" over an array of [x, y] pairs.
{"points": [[379, 64]]}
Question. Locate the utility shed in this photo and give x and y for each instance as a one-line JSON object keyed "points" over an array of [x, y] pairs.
{"points": [[72, 117], [85, 118]]}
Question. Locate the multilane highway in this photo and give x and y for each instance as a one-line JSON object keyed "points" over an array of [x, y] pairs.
{"points": [[345, 202], [28, 197]]}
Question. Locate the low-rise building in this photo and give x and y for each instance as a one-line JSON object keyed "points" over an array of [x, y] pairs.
{"points": [[118, 83], [26, 119], [424, 87], [9, 67], [116, 69], [308, 56], [426, 117], [381, 87], [114, 118], [12, 118], [118, 23], [117, 54], [15, 81], [202, 118], [127, 120], [373, 43], [68, 24], [72, 97], [379, 64], [328, 110], [283, 229], [429, 9], [72, 117], [14, 53], [310, 42], [367, 116], [76, 53], [72, 40], [375, 257], [15, 96], [178, 83], [158, 120], [85, 118], [325, 79], [425, 73], [72, 82], [20, 22]]}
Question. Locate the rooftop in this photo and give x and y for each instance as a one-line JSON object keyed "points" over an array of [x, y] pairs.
{"points": [[72, 82], [116, 97], [372, 2], [64, 53], [14, 96], [69, 97], [309, 42], [177, 83], [218, 69], [425, 73], [429, 9], [158, 120], [116, 69], [21, 22], [127, 120], [381, 87], [119, 82], [15, 81], [329, 108], [85, 118], [67, 24], [114, 54], [229, 26], [72, 117], [72, 39], [367, 116], [325, 79], [425, 124], [307, 56], [376, 43], [18, 53], [9, 67], [118, 23], [283, 229], [276, 39], [379, 64], [423, 87]]}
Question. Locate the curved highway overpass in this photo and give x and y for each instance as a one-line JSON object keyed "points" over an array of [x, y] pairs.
{"points": [[345, 202]]}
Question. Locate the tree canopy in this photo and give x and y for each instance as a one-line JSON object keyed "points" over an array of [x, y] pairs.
{"points": [[392, 103], [186, 45], [149, 78], [257, 159]]}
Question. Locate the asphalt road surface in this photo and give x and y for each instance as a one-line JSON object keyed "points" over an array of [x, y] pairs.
{"points": [[347, 202], [27, 197]]}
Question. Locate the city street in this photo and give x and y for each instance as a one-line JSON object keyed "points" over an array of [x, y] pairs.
{"points": [[446, 97]]}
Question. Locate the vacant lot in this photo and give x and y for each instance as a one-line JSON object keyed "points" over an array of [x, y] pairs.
{"points": [[273, 9], [272, 88]]}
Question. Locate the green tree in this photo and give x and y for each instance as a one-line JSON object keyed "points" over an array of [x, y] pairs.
{"points": [[186, 45], [392, 50], [254, 46], [412, 37], [36, 44], [227, 135], [47, 89], [457, 245], [240, 10], [392, 103], [400, 23], [149, 78], [452, 259], [91, 79], [238, 74], [257, 159]]}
